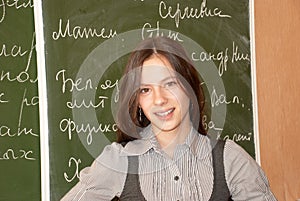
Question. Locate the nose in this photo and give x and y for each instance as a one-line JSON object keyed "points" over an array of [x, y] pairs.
{"points": [[160, 97]]}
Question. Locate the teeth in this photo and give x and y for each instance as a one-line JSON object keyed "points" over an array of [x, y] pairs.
{"points": [[164, 113]]}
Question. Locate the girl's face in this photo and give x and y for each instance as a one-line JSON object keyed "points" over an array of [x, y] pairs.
{"points": [[161, 97]]}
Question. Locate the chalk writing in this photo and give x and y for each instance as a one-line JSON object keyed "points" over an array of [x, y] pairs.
{"points": [[238, 137], [87, 104], [23, 76], [11, 154], [34, 101], [31, 101], [108, 84], [149, 32], [7, 131], [76, 162], [217, 99], [187, 13], [210, 124], [69, 126], [2, 98], [221, 56], [15, 50], [74, 84], [81, 32], [16, 4], [238, 56]]}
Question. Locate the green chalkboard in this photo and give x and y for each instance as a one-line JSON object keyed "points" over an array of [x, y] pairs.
{"points": [[87, 45], [19, 115]]}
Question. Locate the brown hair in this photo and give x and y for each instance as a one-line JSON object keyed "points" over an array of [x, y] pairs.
{"points": [[128, 102]]}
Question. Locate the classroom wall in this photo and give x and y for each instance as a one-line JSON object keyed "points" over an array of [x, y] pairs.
{"points": [[277, 32]]}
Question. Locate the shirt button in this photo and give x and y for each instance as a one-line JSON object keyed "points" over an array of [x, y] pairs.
{"points": [[176, 178]]}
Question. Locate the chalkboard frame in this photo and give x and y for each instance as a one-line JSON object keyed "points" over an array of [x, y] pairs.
{"points": [[40, 43]]}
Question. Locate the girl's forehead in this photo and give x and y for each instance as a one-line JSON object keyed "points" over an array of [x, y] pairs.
{"points": [[156, 74], [156, 69]]}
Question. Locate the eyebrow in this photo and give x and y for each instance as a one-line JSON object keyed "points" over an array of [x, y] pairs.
{"points": [[161, 81]]}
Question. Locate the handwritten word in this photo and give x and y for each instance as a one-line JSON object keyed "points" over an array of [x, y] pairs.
{"points": [[76, 173], [6, 131], [210, 124], [89, 104], [13, 52], [15, 4], [149, 32], [31, 101], [10, 154], [108, 84], [23, 76], [221, 99], [34, 101], [237, 137], [2, 100], [69, 126], [187, 12], [81, 32], [237, 56], [221, 56], [75, 84]]}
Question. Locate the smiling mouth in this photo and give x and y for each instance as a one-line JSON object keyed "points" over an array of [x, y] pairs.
{"points": [[166, 113]]}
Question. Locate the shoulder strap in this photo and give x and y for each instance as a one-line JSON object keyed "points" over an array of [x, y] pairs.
{"points": [[220, 188], [132, 189]]}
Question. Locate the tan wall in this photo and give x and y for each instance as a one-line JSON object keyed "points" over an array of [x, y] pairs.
{"points": [[277, 33]]}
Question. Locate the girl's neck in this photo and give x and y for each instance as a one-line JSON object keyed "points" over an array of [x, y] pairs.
{"points": [[168, 140]]}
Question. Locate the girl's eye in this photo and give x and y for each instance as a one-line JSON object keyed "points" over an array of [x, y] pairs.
{"points": [[171, 84], [144, 90]]}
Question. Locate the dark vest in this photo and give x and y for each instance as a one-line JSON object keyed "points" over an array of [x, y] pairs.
{"points": [[132, 190]]}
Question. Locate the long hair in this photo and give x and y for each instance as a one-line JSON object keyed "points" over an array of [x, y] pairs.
{"points": [[130, 125]]}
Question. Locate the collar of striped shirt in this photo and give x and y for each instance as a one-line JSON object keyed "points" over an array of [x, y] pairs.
{"points": [[197, 143]]}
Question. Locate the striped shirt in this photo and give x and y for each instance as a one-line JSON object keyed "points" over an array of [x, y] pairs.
{"points": [[187, 176]]}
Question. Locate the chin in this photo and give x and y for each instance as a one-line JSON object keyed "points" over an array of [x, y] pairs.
{"points": [[168, 128]]}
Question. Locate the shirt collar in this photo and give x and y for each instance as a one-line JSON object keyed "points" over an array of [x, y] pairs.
{"points": [[197, 143]]}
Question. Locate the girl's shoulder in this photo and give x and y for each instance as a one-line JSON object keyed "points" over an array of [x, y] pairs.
{"points": [[232, 151], [112, 158]]}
